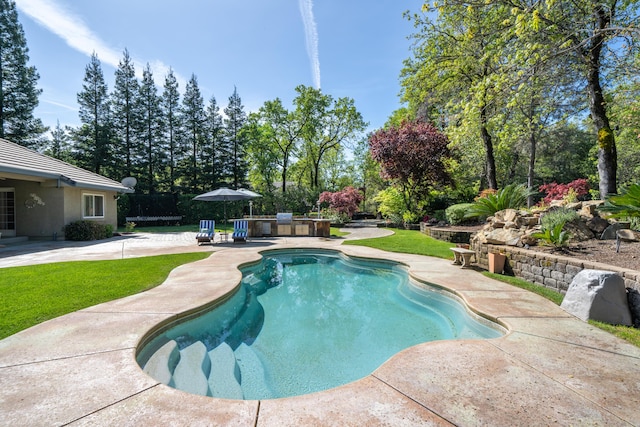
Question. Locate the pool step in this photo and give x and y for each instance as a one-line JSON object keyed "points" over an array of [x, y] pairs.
{"points": [[163, 362], [253, 377], [224, 379], [193, 369]]}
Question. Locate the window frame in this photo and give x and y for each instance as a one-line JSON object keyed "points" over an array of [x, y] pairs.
{"points": [[93, 199]]}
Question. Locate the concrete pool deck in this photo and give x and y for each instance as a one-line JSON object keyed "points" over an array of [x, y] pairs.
{"points": [[551, 368]]}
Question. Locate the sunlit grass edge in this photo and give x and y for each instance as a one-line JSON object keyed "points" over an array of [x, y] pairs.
{"points": [[408, 241], [33, 294]]}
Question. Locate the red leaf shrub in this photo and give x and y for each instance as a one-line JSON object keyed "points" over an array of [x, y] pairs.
{"points": [[345, 201], [557, 191], [414, 152]]}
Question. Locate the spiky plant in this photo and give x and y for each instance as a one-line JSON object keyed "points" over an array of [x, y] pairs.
{"points": [[554, 236], [625, 205], [513, 196]]}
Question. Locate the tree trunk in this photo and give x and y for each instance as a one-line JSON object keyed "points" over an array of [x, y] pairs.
{"points": [[607, 155], [532, 164], [488, 148]]}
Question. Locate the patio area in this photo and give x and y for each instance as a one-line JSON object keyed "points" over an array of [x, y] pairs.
{"points": [[550, 368]]}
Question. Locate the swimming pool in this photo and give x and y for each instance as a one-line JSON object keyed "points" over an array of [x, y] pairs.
{"points": [[305, 321]]}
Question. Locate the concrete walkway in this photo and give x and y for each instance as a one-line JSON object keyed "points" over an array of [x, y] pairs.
{"points": [[550, 369]]}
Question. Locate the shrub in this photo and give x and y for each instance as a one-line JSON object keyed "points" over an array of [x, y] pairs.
{"points": [[410, 217], [626, 205], [455, 214], [87, 230], [570, 192], [513, 196], [555, 236], [558, 216], [344, 202]]}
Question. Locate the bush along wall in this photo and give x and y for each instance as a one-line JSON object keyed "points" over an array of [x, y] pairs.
{"points": [[87, 230]]}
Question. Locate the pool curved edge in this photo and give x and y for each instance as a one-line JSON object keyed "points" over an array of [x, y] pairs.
{"points": [[470, 321], [81, 368]]}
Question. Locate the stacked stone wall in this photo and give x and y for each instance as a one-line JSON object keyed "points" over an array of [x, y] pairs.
{"points": [[549, 270], [447, 235]]}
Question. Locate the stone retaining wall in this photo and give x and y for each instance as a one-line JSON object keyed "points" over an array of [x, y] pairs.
{"points": [[549, 270], [446, 234]]}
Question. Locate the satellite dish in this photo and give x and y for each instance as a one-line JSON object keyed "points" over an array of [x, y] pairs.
{"points": [[129, 182]]}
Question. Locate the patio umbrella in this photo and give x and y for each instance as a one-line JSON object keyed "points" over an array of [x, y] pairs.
{"points": [[222, 195], [249, 192], [253, 195]]}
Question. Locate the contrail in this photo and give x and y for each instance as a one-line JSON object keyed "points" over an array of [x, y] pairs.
{"points": [[311, 36], [72, 29]]}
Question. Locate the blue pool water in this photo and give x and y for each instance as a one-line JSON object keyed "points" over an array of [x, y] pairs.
{"points": [[305, 321]]}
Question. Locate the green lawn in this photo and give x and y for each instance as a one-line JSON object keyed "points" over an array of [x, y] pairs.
{"points": [[32, 294], [408, 241]]}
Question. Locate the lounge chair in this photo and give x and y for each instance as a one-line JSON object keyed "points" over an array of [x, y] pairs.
{"points": [[207, 231], [240, 228]]}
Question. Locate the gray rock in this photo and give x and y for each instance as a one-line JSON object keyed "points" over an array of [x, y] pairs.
{"points": [[633, 296], [598, 295], [579, 231], [597, 225]]}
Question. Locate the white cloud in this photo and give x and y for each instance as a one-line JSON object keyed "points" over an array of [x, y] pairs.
{"points": [[72, 29], [311, 37]]}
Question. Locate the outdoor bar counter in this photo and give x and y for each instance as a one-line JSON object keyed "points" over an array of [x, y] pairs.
{"points": [[286, 225]]}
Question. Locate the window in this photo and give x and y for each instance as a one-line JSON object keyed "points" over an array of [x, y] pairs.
{"points": [[93, 206], [7, 209]]}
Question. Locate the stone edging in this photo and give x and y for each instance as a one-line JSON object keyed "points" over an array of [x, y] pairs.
{"points": [[549, 270]]}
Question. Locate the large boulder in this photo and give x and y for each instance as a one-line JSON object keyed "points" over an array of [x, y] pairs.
{"points": [[597, 225], [598, 295], [579, 231]]}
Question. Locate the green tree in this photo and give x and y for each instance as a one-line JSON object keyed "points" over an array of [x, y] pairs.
{"points": [[283, 132], [329, 125], [59, 146], [262, 154], [92, 139], [587, 34], [150, 131], [193, 124], [455, 69], [236, 140], [18, 91], [625, 120], [125, 116], [170, 104], [214, 142]]}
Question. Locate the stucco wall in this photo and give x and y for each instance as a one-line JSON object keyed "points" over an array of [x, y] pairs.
{"points": [[73, 206], [38, 209], [45, 215]]}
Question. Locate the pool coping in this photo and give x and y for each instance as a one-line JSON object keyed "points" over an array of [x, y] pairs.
{"points": [[551, 367]]}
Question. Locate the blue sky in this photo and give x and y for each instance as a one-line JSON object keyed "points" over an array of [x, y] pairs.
{"points": [[349, 48]]}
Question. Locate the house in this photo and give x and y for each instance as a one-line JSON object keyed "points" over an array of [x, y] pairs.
{"points": [[39, 195]]}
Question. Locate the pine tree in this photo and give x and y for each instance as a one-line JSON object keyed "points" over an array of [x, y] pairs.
{"points": [[93, 149], [18, 91], [235, 140], [151, 125], [59, 147], [193, 124], [211, 150], [125, 118], [171, 126]]}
